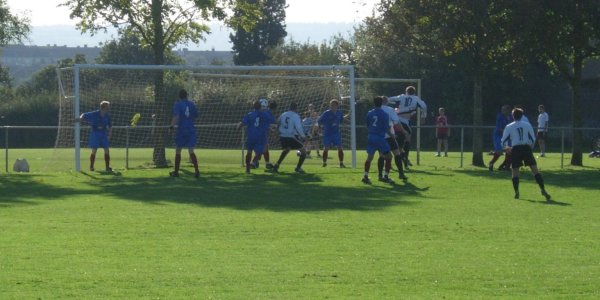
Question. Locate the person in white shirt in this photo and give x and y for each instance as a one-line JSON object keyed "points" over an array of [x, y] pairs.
{"points": [[406, 106], [542, 129], [520, 135], [291, 136]]}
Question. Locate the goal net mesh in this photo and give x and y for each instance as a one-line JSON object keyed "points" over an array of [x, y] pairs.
{"points": [[223, 96]]}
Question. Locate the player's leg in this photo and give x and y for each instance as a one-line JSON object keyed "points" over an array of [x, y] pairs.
{"points": [[341, 154], [301, 159], [388, 166], [439, 147], [537, 175], [497, 151], [406, 146], [107, 159], [326, 144], [194, 160], [175, 172], [515, 181], [371, 148], [380, 164], [93, 158], [365, 178], [542, 143], [445, 144]]}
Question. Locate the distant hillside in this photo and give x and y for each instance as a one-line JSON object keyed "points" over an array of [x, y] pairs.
{"points": [[23, 61]]}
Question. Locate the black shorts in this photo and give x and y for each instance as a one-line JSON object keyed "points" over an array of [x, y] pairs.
{"points": [[522, 155], [400, 138], [541, 135], [291, 143], [392, 142], [406, 128]]}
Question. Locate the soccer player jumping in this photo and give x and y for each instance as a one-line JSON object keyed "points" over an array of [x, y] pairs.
{"points": [[522, 137]]}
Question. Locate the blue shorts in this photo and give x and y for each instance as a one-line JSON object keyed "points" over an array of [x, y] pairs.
{"points": [[185, 139], [98, 139], [377, 143], [332, 140], [256, 144], [497, 143]]}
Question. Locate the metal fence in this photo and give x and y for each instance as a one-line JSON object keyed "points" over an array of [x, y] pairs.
{"points": [[559, 140]]}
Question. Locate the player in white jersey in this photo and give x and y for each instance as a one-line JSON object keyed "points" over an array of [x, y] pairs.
{"points": [[542, 129], [390, 138], [406, 106], [291, 136], [521, 136]]}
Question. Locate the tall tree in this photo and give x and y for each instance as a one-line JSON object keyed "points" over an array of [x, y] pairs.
{"points": [[468, 34], [251, 44], [13, 29], [161, 24], [564, 35]]}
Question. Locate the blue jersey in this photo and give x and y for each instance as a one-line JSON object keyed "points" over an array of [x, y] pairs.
{"points": [[501, 122], [331, 122], [257, 123], [98, 122], [378, 122], [186, 112]]}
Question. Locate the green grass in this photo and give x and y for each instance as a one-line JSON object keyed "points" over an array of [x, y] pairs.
{"points": [[449, 232]]}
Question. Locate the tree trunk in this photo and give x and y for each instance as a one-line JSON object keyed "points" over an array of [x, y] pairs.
{"points": [[159, 156], [477, 121], [577, 155], [578, 46]]}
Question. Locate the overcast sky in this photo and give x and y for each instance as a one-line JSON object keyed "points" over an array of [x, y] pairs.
{"points": [[46, 12]]}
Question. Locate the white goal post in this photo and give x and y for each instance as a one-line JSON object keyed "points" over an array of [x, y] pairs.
{"points": [[223, 95]]}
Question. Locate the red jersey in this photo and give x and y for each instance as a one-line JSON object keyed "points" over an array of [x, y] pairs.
{"points": [[441, 125]]}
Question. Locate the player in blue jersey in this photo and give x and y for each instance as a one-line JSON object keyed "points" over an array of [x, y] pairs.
{"points": [[100, 134], [502, 119], [184, 116], [330, 121], [378, 125], [258, 123]]}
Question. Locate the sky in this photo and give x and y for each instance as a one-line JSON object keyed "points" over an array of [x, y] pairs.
{"points": [[46, 12], [52, 25]]}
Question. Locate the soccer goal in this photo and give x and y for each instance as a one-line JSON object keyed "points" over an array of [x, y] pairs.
{"points": [[141, 98]]}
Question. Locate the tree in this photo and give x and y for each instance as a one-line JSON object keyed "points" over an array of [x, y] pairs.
{"points": [[129, 49], [563, 35], [295, 53], [252, 44], [13, 29], [467, 34], [160, 24]]}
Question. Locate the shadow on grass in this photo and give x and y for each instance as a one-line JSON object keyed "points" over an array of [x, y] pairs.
{"points": [[275, 192], [27, 188], [584, 178]]}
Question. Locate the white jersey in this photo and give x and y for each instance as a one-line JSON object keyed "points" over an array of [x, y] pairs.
{"points": [[525, 119], [394, 119], [518, 133], [290, 125], [543, 122], [407, 106]]}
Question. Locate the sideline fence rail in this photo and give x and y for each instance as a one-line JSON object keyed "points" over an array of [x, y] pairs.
{"points": [[427, 140]]}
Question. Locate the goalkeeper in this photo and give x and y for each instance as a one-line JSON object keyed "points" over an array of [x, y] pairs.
{"points": [[101, 131]]}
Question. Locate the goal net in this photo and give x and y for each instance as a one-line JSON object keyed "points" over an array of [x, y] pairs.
{"points": [[142, 97]]}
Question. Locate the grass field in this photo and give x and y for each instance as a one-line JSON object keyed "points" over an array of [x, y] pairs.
{"points": [[448, 232]]}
